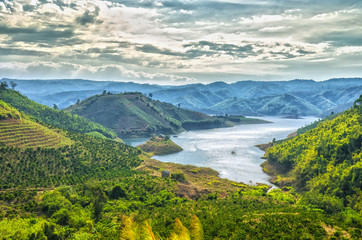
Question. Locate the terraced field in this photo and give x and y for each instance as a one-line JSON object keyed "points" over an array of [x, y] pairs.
{"points": [[27, 134], [19, 130]]}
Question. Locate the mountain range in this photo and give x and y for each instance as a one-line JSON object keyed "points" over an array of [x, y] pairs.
{"points": [[279, 98]]}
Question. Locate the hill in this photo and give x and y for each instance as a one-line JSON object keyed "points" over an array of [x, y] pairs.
{"points": [[53, 117], [324, 161], [133, 114], [18, 130], [317, 98]]}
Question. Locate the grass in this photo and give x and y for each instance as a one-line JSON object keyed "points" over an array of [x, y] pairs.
{"points": [[199, 180]]}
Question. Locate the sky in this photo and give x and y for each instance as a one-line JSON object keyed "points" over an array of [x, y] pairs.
{"points": [[181, 41]]}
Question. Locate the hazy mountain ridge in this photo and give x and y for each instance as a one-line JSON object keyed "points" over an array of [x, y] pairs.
{"points": [[311, 97]]}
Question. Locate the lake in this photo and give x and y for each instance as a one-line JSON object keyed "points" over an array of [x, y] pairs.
{"points": [[231, 151]]}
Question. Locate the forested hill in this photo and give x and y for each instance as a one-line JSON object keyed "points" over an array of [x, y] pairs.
{"points": [[325, 161], [53, 117], [133, 114]]}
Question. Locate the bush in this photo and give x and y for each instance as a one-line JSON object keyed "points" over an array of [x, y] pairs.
{"points": [[178, 177]]}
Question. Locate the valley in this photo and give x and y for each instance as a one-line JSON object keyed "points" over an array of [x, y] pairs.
{"points": [[76, 180]]}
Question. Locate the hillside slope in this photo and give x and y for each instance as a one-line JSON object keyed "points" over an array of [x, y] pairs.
{"points": [[18, 130], [56, 118], [324, 160], [133, 114]]}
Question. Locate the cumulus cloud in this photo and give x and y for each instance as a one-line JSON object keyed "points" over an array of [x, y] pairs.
{"points": [[100, 72], [178, 40], [89, 17]]}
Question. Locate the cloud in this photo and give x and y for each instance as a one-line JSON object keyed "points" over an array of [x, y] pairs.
{"points": [[148, 48], [34, 35], [156, 39], [89, 17], [57, 70], [16, 51]]}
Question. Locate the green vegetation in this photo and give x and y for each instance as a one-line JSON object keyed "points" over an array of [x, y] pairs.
{"points": [[324, 162], [147, 208], [133, 115], [101, 189], [160, 146], [55, 118], [88, 157], [315, 123], [16, 129]]}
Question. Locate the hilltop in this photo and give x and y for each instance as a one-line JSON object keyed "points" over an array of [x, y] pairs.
{"points": [[53, 117], [133, 114]]}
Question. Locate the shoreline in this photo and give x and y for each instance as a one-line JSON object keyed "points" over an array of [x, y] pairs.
{"points": [[227, 124]]}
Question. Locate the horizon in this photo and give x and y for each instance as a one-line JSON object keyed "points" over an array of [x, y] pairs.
{"points": [[176, 83], [180, 42]]}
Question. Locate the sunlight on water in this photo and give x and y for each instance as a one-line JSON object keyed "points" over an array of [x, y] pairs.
{"points": [[213, 148]]}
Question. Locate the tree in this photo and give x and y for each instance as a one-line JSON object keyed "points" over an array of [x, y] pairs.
{"points": [[150, 95], [55, 106], [3, 85], [98, 198], [117, 192], [13, 85], [104, 92]]}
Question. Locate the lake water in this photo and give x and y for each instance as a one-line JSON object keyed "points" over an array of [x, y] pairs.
{"points": [[213, 148]]}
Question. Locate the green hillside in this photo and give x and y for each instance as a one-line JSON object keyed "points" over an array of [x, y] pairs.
{"points": [[101, 189], [59, 119], [133, 114], [18, 130], [325, 160], [33, 155]]}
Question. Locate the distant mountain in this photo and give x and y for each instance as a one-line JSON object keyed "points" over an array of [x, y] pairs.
{"points": [[210, 98], [284, 104], [133, 114]]}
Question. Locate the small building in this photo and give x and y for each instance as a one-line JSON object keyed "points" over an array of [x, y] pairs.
{"points": [[166, 174]]}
